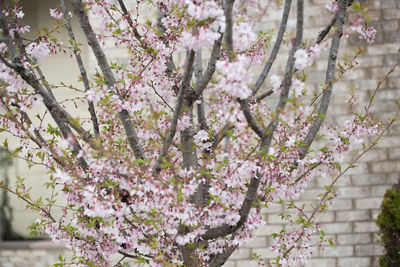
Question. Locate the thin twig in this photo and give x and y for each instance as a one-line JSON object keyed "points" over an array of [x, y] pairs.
{"points": [[82, 70], [330, 72], [274, 51], [110, 80], [178, 110]]}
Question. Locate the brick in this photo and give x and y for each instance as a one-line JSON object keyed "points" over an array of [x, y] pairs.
{"points": [[361, 168], [311, 194], [376, 238], [272, 208], [247, 263], [333, 228], [365, 227], [275, 219], [375, 262], [7, 252], [343, 181], [264, 253], [354, 262], [338, 251], [325, 262], [393, 82], [352, 215], [385, 166], [368, 203], [243, 253], [375, 213], [379, 191], [256, 242], [393, 178], [394, 153], [353, 192], [391, 14], [374, 4], [325, 216], [342, 204], [266, 230], [369, 179], [376, 154], [382, 49], [389, 4], [369, 250], [351, 239], [388, 95]]}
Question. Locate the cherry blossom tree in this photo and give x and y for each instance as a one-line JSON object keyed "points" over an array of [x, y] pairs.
{"points": [[185, 143]]}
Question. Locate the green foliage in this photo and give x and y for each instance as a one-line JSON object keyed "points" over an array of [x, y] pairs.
{"points": [[389, 223]]}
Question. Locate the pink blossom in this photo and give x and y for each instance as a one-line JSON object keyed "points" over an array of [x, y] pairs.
{"points": [[204, 10], [56, 14], [276, 82], [298, 87], [244, 36], [366, 33], [236, 80], [301, 59], [38, 50], [333, 6], [19, 14], [203, 39]]}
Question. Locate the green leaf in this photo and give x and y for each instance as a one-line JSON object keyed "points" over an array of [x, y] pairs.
{"points": [[356, 6]]}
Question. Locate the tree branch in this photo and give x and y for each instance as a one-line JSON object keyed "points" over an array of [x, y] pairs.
{"points": [[128, 18], [228, 7], [202, 83], [82, 70], [178, 110], [221, 258], [227, 229], [110, 80], [330, 75], [198, 73], [264, 95], [287, 80], [60, 116], [275, 49], [254, 184], [244, 105]]}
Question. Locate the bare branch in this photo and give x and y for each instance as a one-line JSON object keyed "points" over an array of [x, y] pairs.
{"points": [[218, 137], [322, 34], [110, 80], [198, 74], [60, 116], [129, 19], [264, 95], [254, 184], [188, 150], [178, 109], [275, 49], [227, 229], [228, 7], [244, 105], [329, 80], [221, 258], [206, 77], [82, 70], [287, 80]]}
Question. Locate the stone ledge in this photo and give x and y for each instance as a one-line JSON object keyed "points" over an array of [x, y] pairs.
{"points": [[14, 245]]}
